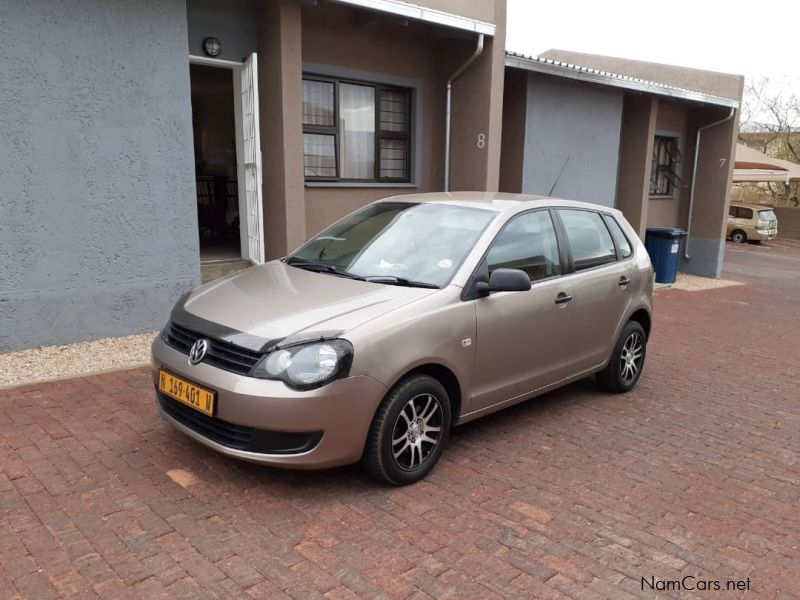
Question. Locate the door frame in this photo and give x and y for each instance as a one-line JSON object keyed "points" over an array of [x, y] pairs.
{"points": [[235, 67]]}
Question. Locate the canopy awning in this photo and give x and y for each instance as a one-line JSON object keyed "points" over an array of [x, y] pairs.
{"points": [[752, 165], [754, 175]]}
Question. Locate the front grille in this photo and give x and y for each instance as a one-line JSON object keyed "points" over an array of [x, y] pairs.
{"points": [[221, 354], [238, 437]]}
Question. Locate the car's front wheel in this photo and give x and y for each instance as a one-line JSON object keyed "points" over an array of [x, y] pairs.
{"points": [[627, 360], [408, 431], [739, 237]]}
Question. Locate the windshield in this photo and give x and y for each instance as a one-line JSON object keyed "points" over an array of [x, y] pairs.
{"points": [[767, 215], [422, 243]]}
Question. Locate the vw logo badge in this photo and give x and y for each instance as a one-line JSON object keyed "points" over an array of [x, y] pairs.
{"points": [[198, 351]]}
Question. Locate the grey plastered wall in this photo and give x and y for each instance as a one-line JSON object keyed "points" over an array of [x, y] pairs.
{"points": [[233, 22], [577, 121], [98, 216]]}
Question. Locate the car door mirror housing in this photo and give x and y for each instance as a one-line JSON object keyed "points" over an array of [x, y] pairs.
{"points": [[504, 280]]}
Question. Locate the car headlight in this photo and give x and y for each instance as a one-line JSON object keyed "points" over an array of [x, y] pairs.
{"points": [[307, 366]]}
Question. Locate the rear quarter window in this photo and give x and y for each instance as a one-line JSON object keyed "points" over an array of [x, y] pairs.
{"points": [[623, 245]]}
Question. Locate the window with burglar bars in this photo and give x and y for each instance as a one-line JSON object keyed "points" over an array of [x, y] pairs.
{"points": [[664, 176], [355, 131]]}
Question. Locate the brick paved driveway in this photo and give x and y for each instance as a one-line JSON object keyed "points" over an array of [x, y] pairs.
{"points": [[578, 495]]}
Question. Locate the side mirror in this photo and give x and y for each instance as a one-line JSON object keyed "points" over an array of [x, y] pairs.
{"points": [[504, 280]]}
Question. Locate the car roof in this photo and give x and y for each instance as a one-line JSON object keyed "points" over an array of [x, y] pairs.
{"points": [[499, 201], [755, 206]]}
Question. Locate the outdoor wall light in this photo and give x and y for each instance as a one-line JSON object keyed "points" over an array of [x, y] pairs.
{"points": [[212, 47]]}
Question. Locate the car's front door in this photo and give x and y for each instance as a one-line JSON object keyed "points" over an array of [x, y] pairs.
{"points": [[522, 337], [602, 282]]}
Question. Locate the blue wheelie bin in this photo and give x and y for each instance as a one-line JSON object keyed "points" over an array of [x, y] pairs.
{"points": [[663, 244]]}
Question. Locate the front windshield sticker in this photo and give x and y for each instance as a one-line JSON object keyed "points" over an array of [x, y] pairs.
{"points": [[445, 263]]}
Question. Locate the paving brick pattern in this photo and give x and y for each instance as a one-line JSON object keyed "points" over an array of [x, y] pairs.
{"points": [[577, 495]]}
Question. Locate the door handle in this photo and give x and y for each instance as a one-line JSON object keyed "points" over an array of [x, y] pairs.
{"points": [[623, 281], [563, 298]]}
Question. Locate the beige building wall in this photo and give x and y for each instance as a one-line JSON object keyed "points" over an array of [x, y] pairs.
{"points": [[639, 114], [332, 37], [281, 121], [477, 113], [336, 37], [672, 118], [515, 101]]}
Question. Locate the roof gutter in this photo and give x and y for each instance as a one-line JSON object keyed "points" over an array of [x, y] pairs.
{"points": [[549, 66], [453, 77], [732, 112]]}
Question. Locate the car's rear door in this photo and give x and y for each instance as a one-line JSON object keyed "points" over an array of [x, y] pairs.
{"points": [[522, 337], [601, 279]]}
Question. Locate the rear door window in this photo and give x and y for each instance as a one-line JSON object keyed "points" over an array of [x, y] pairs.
{"points": [[589, 239], [745, 213]]}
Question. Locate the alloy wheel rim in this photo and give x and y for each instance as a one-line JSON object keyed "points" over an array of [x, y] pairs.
{"points": [[417, 431], [631, 358]]}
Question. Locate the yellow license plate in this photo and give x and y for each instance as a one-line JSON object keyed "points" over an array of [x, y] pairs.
{"points": [[183, 391]]}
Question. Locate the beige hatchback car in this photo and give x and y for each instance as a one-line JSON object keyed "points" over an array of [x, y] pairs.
{"points": [[409, 316]]}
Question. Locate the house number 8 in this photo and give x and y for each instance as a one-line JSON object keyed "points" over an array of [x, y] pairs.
{"points": [[481, 140]]}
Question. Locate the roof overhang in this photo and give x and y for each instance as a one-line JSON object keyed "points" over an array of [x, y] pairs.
{"points": [[755, 175], [553, 67], [422, 13], [758, 166]]}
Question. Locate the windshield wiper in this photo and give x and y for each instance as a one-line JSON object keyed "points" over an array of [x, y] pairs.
{"points": [[392, 280], [318, 267]]}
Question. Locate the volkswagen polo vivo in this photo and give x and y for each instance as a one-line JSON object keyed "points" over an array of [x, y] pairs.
{"points": [[403, 319]]}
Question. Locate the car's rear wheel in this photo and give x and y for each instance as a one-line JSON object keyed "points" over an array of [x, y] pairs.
{"points": [[627, 360], [739, 236], [408, 431]]}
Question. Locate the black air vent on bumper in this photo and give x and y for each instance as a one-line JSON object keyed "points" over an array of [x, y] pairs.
{"points": [[238, 437]]}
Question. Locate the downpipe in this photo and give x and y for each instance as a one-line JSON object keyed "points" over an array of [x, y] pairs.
{"points": [[686, 255], [453, 77]]}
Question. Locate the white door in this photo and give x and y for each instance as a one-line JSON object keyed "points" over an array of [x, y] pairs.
{"points": [[254, 218]]}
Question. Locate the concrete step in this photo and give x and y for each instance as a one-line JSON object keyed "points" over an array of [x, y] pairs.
{"points": [[214, 269]]}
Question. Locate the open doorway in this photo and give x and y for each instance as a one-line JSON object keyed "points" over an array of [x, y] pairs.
{"points": [[227, 164], [214, 126]]}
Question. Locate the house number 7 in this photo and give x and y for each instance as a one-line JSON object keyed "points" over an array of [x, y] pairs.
{"points": [[481, 140]]}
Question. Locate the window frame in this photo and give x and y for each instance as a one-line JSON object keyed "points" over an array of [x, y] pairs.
{"points": [[379, 134], [672, 168], [481, 270]]}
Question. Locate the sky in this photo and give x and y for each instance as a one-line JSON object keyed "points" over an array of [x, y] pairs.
{"points": [[729, 36]]}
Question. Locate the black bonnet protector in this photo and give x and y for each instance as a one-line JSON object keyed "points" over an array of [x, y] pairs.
{"points": [[255, 343]]}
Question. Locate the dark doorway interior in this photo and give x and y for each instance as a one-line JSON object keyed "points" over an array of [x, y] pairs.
{"points": [[215, 162]]}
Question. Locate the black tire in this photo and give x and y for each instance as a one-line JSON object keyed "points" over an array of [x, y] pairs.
{"points": [[738, 237], [416, 455], [617, 378]]}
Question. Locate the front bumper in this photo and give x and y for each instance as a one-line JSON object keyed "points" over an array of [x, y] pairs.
{"points": [[342, 411]]}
